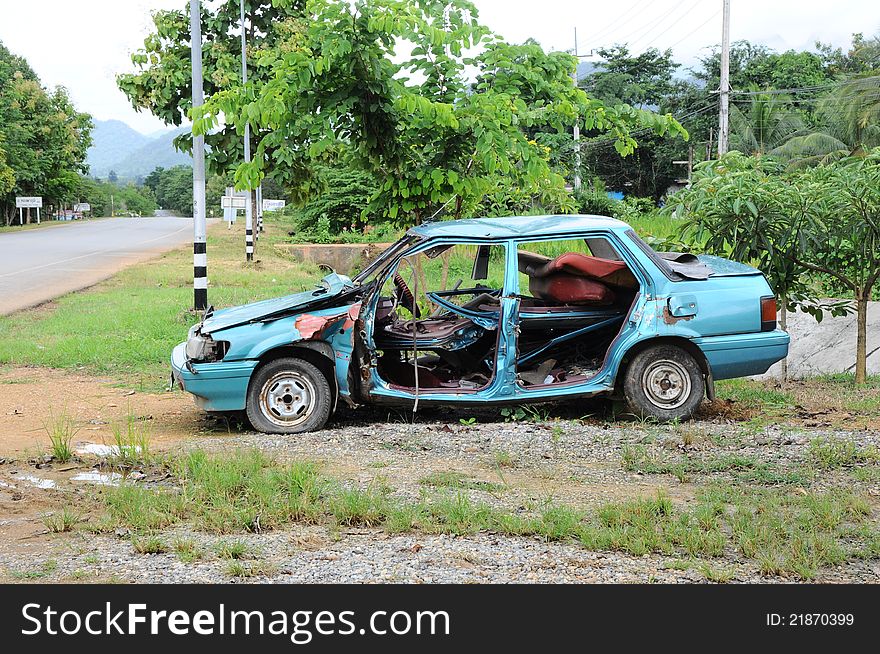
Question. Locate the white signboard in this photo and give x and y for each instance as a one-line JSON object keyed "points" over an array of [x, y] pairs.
{"points": [[28, 203], [233, 202], [273, 205], [82, 207]]}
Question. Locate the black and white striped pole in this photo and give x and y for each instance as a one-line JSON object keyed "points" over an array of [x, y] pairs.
{"points": [[259, 210], [249, 209], [200, 256]]}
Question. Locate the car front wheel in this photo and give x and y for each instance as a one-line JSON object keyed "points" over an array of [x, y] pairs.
{"points": [[288, 396], [664, 382]]}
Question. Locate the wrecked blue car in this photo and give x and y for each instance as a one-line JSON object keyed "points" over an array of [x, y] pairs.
{"points": [[495, 311]]}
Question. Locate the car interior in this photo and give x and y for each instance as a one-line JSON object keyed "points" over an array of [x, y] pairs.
{"points": [[433, 332]]}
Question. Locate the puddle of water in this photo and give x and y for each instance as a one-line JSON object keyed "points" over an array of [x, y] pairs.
{"points": [[99, 478], [99, 449], [38, 482]]}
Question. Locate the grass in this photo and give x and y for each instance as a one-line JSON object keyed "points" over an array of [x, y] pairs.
{"points": [[127, 325], [638, 458], [831, 453], [62, 521], [46, 568], [252, 569], [796, 533], [787, 532], [233, 550], [131, 441], [61, 429], [187, 550], [460, 481], [754, 395], [149, 545]]}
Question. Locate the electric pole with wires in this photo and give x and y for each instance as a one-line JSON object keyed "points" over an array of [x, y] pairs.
{"points": [[577, 119], [724, 89], [200, 251], [249, 206]]}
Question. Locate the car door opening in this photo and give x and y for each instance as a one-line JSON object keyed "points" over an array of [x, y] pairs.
{"points": [[435, 334], [574, 297]]}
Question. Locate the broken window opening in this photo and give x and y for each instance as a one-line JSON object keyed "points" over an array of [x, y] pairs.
{"points": [[574, 299], [437, 320]]}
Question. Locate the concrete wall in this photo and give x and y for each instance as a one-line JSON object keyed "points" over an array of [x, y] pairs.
{"points": [[343, 258], [829, 346]]}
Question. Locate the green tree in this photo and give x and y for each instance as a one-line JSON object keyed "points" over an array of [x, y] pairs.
{"points": [[848, 123], [766, 122], [162, 81], [643, 80], [44, 138], [862, 57], [437, 142], [822, 222]]}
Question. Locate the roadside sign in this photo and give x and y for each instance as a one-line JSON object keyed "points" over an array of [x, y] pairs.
{"points": [[233, 202], [29, 203], [274, 205], [82, 207]]}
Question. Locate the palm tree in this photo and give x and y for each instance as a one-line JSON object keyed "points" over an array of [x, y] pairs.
{"points": [[766, 123], [851, 118]]}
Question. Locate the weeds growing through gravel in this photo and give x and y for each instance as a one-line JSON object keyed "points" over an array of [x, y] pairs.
{"points": [[638, 458], [61, 429], [233, 550], [786, 532], [62, 521], [187, 550], [149, 545], [132, 443], [252, 569], [460, 481], [830, 453]]}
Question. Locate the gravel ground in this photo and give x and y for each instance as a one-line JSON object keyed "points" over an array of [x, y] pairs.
{"points": [[560, 459]]}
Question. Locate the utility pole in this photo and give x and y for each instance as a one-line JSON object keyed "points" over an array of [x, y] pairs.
{"points": [[577, 126], [249, 206], [200, 245], [724, 117]]}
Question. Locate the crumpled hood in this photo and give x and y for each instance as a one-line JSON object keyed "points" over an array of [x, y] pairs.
{"points": [[331, 286]]}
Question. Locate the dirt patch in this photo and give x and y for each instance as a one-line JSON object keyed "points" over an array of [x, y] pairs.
{"points": [[30, 397]]}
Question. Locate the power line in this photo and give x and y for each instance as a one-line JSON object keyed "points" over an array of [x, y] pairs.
{"points": [[641, 28], [696, 29], [613, 25], [670, 16], [802, 89], [645, 130], [665, 31]]}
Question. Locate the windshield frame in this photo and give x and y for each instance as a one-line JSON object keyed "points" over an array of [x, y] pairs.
{"points": [[406, 242]]}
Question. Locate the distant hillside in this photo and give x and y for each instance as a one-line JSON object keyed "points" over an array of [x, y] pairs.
{"points": [[130, 154], [113, 141]]}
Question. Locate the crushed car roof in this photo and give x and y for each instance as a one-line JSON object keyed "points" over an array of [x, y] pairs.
{"points": [[514, 226]]}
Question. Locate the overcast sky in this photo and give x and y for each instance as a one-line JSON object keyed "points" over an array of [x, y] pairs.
{"points": [[83, 44]]}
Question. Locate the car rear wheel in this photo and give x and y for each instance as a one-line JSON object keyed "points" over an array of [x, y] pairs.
{"points": [[288, 396], [664, 382]]}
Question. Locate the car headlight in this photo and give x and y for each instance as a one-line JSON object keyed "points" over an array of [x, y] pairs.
{"points": [[201, 347]]}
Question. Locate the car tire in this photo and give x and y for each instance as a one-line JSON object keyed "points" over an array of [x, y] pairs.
{"points": [[664, 382], [288, 396]]}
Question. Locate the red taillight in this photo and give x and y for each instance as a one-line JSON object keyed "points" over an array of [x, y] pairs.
{"points": [[768, 314]]}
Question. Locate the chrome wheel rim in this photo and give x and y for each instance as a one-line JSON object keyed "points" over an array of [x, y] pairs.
{"points": [[288, 398], [667, 384]]}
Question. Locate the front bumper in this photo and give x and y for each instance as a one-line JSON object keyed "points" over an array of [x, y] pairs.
{"points": [[742, 355], [216, 386]]}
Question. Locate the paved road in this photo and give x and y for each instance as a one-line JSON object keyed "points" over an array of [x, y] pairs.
{"points": [[41, 264]]}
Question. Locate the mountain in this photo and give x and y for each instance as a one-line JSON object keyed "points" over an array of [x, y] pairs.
{"points": [[112, 141], [157, 152], [129, 153]]}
